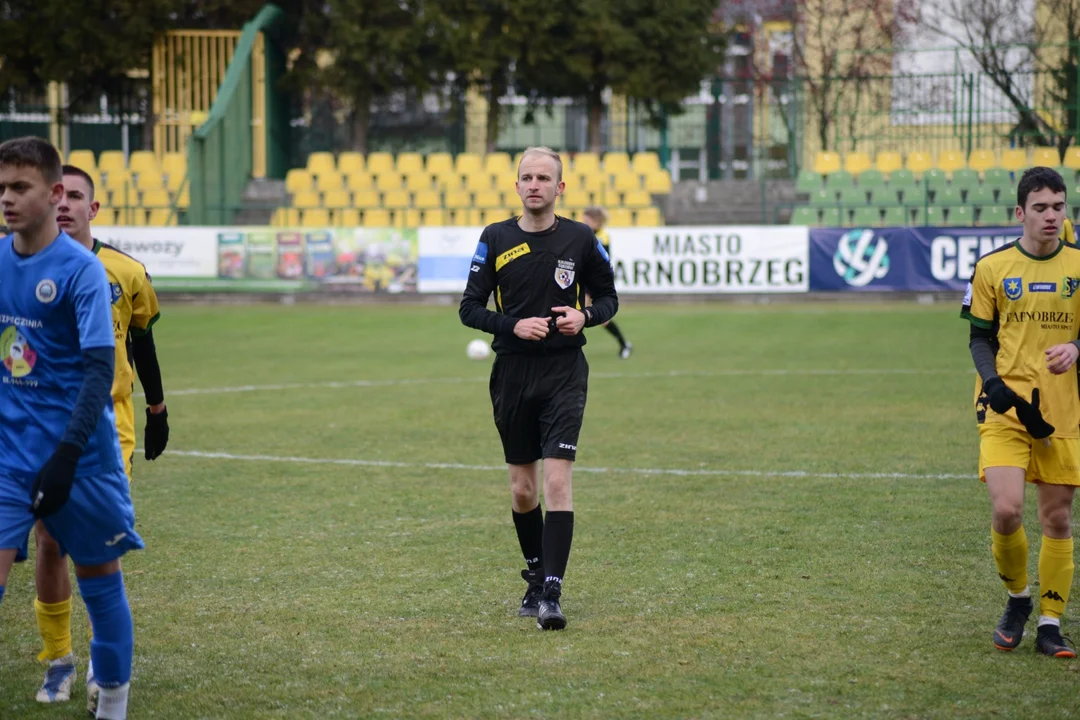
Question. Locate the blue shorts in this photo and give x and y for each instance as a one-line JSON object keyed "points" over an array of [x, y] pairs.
{"points": [[95, 526]]}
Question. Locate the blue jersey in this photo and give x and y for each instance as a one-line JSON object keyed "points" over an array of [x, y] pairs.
{"points": [[53, 305]]}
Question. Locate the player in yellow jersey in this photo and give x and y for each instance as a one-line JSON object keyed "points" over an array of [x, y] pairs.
{"points": [[1068, 232], [1023, 303], [596, 217], [134, 309]]}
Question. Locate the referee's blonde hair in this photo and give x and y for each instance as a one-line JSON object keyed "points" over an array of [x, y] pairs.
{"points": [[546, 152]]}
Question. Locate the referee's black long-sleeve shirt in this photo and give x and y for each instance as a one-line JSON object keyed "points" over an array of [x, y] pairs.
{"points": [[532, 272]]}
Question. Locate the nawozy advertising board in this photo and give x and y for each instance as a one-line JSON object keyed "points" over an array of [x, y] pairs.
{"points": [[180, 252]]}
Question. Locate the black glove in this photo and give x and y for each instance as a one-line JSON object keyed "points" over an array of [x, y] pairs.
{"points": [[1029, 414], [52, 486], [1001, 398], [156, 436]]}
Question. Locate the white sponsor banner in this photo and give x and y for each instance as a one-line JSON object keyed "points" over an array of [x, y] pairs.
{"points": [[180, 252], [711, 259], [445, 258]]}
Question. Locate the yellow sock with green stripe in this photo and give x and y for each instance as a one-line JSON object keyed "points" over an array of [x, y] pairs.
{"points": [[54, 624], [1055, 576], [1010, 556]]}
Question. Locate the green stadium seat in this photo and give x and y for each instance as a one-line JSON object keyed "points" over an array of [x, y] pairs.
{"points": [[996, 215], [852, 197], [965, 178], [935, 216], [917, 216], [895, 217], [948, 197], [996, 177], [830, 217], [961, 216], [839, 179], [915, 197], [981, 195], [871, 179], [884, 196], [808, 182], [1067, 174], [804, 216], [935, 179], [822, 198], [866, 217], [901, 179]]}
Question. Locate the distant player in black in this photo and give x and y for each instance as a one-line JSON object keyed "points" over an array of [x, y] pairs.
{"points": [[538, 266], [596, 217]]}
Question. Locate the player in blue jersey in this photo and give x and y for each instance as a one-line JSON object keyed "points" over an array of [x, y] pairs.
{"points": [[59, 450]]}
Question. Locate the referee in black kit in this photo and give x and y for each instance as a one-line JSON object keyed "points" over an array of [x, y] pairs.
{"points": [[538, 266]]}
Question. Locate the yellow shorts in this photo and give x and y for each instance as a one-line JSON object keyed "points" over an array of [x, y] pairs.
{"points": [[125, 426], [1003, 446]]}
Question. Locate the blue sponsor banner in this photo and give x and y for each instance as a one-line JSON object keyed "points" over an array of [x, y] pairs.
{"points": [[914, 259]]}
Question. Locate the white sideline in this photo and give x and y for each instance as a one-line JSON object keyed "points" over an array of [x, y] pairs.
{"points": [[592, 376], [577, 469]]}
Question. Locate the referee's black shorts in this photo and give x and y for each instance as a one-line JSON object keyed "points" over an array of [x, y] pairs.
{"points": [[539, 404]]}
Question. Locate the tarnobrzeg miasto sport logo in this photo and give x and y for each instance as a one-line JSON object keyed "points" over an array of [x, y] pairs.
{"points": [[18, 357], [861, 257]]}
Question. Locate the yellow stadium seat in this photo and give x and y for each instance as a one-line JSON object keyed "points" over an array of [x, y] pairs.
{"points": [[574, 199], [161, 217], [434, 217], [329, 180], [359, 181], [321, 162], [448, 181], [111, 160], [826, 162], [366, 199], [648, 217], [82, 159], [388, 181], [1014, 159], [919, 161], [645, 163], [315, 217], [1046, 157], [346, 217], [409, 163], [440, 163], [119, 181], [567, 161], [498, 163], [143, 161], [418, 181], [134, 216], [593, 183], [350, 162], [856, 162], [427, 199], [396, 199], [626, 181], [174, 162], [949, 160], [637, 199], [337, 199], [105, 217], [982, 160], [585, 163], [658, 182], [377, 218], [298, 180], [620, 217], [158, 198], [616, 162], [478, 181], [290, 217], [473, 216], [410, 218], [149, 180], [277, 219], [184, 199], [887, 161], [380, 162], [307, 199], [1072, 158], [455, 199], [487, 199], [468, 163]]}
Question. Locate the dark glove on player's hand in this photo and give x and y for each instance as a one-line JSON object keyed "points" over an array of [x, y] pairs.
{"points": [[1029, 414], [52, 486], [1001, 398], [156, 436]]}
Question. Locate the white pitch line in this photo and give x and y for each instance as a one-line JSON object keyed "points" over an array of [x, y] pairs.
{"points": [[598, 375], [577, 469]]}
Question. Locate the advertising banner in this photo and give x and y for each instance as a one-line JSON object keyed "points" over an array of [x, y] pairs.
{"points": [[181, 252]]}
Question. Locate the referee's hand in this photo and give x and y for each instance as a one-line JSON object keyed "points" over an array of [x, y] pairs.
{"points": [[571, 321], [531, 328]]}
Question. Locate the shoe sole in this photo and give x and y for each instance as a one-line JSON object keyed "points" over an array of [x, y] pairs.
{"points": [[1064, 654]]}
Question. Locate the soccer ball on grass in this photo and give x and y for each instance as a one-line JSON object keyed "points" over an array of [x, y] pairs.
{"points": [[478, 350]]}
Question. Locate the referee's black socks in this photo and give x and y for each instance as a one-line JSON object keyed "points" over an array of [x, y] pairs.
{"points": [[558, 535], [530, 532], [614, 330]]}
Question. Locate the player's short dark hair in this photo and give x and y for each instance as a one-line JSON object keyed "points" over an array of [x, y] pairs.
{"points": [[32, 152], [1035, 179], [72, 170]]}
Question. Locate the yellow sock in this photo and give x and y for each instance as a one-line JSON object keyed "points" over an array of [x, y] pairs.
{"points": [[1055, 575], [1010, 556], [54, 624]]}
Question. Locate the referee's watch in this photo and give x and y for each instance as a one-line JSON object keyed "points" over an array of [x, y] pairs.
{"points": [[588, 316]]}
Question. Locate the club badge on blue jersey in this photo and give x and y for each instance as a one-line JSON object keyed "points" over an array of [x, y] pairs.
{"points": [[45, 291], [1014, 288]]}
